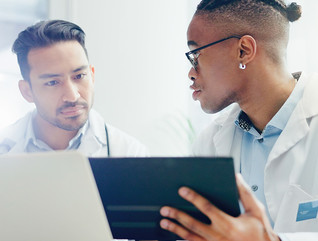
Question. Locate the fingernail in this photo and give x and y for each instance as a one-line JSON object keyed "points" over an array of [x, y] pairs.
{"points": [[240, 180], [239, 176], [164, 224], [164, 211], [183, 191]]}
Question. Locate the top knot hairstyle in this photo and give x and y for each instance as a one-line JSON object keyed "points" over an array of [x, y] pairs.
{"points": [[266, 20], [292, 12], [43, 34]]}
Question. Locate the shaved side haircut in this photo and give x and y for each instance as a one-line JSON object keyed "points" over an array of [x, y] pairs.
{"points": [[265, 20]]}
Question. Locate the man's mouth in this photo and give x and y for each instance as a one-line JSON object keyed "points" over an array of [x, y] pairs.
{"points": [[72, 111], [196, 92]]}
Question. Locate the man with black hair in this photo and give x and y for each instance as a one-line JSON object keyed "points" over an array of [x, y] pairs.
{"points": [[59, 80], [238, 56]]}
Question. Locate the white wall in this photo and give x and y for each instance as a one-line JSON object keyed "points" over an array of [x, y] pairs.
{"points": [[303, 48], [137, 48]]}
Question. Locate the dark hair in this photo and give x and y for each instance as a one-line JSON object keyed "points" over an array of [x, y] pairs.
{"points": [[42, 34], [266, 20], [292, 12]]}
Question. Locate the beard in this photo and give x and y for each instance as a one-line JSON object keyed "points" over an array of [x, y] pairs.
{"points": [[72, 123], [74, 126]]}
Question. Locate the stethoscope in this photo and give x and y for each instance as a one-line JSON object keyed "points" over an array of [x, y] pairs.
{"points": [[107, 139]]}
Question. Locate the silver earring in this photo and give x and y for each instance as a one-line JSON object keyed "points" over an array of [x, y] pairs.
{"points": [[242, 66]]}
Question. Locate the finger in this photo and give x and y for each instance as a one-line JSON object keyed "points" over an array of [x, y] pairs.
{"points": [[251, 205], [191, 224], [179, 230], [203, 204], [249, 201]]}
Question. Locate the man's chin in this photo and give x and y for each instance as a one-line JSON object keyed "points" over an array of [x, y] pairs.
{"points": [[71, 125], [207, 109], [211, 110]]}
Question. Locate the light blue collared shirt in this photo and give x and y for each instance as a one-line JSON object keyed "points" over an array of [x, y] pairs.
{"points": [[256, 147], [91, 140]]}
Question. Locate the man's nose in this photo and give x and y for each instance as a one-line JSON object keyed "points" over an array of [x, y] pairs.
{"points": [[71, 93], [192, 74]]}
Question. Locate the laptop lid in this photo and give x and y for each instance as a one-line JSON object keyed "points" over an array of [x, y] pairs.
{"points": [[134, 189], [50, 196]]}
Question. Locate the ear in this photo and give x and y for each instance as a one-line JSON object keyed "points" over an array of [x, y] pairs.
{"points": [[26, 91], [247, 49], [92, 69]]}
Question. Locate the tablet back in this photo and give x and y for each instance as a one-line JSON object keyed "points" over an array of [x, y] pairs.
{"points": [[50, 196], [133, 190]]}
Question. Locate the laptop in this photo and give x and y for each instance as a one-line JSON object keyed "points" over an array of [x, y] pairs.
{"points": [[134, 189], [50, 196]]}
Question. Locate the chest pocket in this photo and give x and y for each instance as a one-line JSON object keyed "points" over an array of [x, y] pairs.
{"points": [[287, 215]]}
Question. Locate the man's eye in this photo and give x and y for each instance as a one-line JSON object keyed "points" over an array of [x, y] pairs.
{"points": [[51, 83], [79, 76]]}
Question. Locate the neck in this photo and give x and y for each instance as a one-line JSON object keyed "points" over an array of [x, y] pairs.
{"points": [[53, 136], [266, 96]]}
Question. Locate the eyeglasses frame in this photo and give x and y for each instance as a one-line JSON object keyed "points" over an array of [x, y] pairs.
{"points": [[194, 64]]}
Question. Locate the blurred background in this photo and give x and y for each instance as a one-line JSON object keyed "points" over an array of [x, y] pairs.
{"points": [[137, 48]]}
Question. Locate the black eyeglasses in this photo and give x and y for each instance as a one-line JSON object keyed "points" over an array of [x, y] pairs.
{"points": [[193, 55]]}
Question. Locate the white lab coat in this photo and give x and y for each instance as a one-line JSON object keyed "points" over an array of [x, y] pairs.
{"points": [[93, 143], [291, 172]]}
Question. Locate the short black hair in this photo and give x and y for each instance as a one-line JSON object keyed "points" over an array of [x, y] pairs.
{"points": [[266, 20], [292, 11], [42, 34]]}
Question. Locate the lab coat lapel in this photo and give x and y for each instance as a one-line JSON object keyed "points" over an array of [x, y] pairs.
{"points": [[295, 130], [280, 170], [297, 127], [224, 139], [89, 145]]}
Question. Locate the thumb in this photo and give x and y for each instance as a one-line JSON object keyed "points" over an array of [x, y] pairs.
{"points": [[249, 201]]}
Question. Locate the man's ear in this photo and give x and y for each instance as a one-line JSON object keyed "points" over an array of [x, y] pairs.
{"points": [[25, 89], [247, 49], [92, 73]]}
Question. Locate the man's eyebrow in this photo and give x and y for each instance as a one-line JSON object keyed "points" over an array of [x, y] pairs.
{"points": [[80, 68], [192, 43], [48, 76]]}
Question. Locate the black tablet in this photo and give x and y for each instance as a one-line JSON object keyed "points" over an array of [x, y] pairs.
{"points": [[134, 189]]}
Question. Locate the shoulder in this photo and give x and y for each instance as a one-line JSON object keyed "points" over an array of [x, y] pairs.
{"points": [[310, 85], [121, 144], [310, 82], [13, 134]]}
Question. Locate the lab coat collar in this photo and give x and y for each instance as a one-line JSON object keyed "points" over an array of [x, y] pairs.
{"points": [[91, 142], [228, 132], [297, 123]]}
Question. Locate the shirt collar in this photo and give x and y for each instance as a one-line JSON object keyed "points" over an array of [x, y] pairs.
{"points": [[97, 127]]}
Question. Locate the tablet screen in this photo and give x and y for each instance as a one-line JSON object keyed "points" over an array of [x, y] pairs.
{"points": [[134, 189]]}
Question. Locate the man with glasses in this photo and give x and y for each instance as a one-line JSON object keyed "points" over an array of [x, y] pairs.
{"points": [[59, 80], [238, 56]]}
